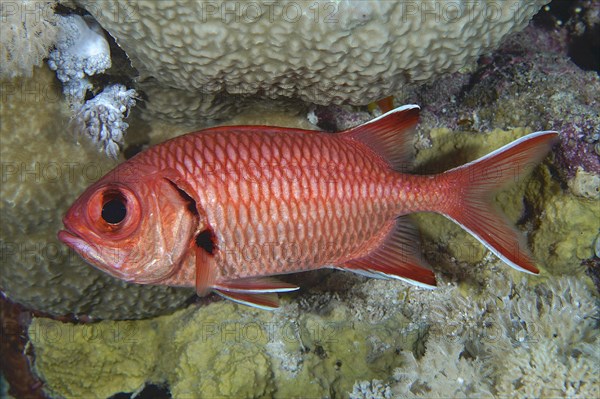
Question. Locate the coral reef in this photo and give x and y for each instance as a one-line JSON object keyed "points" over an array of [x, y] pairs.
{"points": [[533, 341], [487, 331], [523, 342], [344, 51], [43, 171], [28, 31]]}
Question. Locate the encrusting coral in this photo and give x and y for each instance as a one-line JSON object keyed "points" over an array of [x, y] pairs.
{"points": [[217, 350]]}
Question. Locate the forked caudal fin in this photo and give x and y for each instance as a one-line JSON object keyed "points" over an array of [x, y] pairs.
{"points": [[476, 182]]}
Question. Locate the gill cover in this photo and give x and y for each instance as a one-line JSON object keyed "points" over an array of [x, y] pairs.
{"points": [[138, 230]]}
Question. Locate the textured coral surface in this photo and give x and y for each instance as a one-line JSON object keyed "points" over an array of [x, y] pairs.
{"points": [[193, 52], [28, 31]]}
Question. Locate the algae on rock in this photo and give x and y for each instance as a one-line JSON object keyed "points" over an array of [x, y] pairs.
{"points": [[219, 350]]}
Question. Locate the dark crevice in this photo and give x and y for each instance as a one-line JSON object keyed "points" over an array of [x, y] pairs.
{"points": [[150, 391], [191, 203], [575, 16], [207, 241]]}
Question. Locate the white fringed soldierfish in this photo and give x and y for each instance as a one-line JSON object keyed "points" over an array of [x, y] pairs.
{"points": [[227, 208]]}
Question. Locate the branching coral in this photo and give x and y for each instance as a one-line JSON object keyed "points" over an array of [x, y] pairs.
{"points": [[28, 30], [81, 51], [529, 343], [371, 390], [547, 343], [443, 372], [101, 118]]}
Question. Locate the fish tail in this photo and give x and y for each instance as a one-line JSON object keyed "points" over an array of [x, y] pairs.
{"points": [[474, 185]]}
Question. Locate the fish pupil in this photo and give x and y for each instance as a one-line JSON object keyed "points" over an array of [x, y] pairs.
{"points": [[114, 211]]}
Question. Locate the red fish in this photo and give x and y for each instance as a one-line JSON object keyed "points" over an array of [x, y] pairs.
{"points": [[225, 209]]}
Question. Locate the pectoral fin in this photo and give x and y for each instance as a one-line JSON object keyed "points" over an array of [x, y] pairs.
{"points": [[261, 301], [259, 292], [255, 285]]}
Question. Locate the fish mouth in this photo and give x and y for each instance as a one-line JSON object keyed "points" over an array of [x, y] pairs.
{"points": [[72, 240], [87, 251]]}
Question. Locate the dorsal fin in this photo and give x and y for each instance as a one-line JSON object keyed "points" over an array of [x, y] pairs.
{"points": [[398, 256], [390, 135]]}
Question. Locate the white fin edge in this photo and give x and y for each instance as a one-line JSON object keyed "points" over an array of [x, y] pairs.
{"points": [[385, 276], [395, 110], [244, 302], [492, 249], [255, 291], [505, 147]]}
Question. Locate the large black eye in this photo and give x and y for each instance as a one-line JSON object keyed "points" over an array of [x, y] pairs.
{"points": [[114, 210]]}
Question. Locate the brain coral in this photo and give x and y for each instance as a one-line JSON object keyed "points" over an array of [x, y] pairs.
{"points": [[322, 52]]}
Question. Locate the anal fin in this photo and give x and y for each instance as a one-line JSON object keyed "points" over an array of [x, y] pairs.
{"points": [[261, 301], [397, 257]]}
